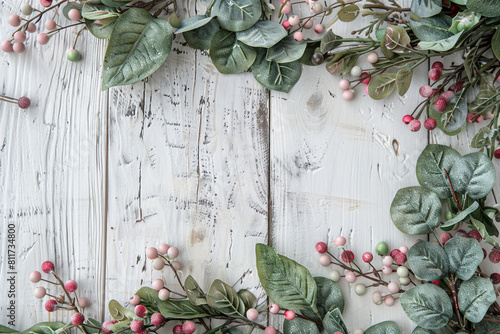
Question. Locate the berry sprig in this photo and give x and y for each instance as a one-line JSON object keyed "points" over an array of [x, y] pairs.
{"points": [[23, 102]]}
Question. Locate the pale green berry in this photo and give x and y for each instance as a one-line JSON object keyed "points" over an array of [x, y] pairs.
{"points": [[404, 281], [26, 9], [73, 55], [449, 215], [356, 71], [334, 275], [381, 248], [360, 289], [402, 271]]}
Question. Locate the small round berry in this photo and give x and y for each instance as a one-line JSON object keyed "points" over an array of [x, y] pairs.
{"points": [[46, 3], [430, 124], [340, 241], [73, 55], [164, 294], [163, 249], [173, 252], [176, 265], [347, 256], [47, 267], [318, 28], [137, 325], [394, 252], [356, 71], [334, 275], [287, 9], [42, 38], [293, 20], [26, 9], [20, 36], [321, 247], [289, 315], [425, 91], [274, 308], [158, 284], [389, 300], [19, 47], [77, 319], [475, 235], [461, 233], [177, 329], [496, 154], [158, 264], [495, 278], [365, 78], [407, 119], [317, 8], [438, 65], [140, 311], [360, 289], [157, 319], [447, 96], [107, 327], [50, 24], [376, 297], [35, 277], [387, 270], [298, 36], [344, 84], [404, 250], [71, 286], [31, 27], [317, 58], [367, 257], [404, 281], [189, 327], [494, 256], [135, 300], [387, 261], [400, 258], [324, 260], [372, 57], [7, 46], [40, 292], [286, 24], [348, 95], [83, 302], [270, 330], [350, 277], [444, 237], [50, 305], [14, 20], [74, 15], [393, 287], [402, 271], [434, 74], [252, 314], [479, 119], [151, 253], [307, 24], [414, 125], [381, 248]]}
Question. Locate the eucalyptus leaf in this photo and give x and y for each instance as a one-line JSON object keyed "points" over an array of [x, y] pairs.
{"points": [[224, 298], [262, 34], [276, 76], [463, 21], [333, 322], [385, 327], [427, 305], [380, 33], [452, 120], [91, 330], [443, 330], [299, 326], [487, 327], [193, 23], [98, 12], [329, 42], [433, 28], [475, 297], [200, 38], [44, 328], [465, 255], [382, 85], [473, 174], [426, 8], [481, 228], [311, 48], [248, 298], [488, 8], [230, 55], [193, 291], [416, 210], [495, 44], [403, 80], [286, 282], [181, 309], [442, 44], [428, 261], [4, 329], [462, 215], [348, 13], [119, 312], [138, 46], [286, 50], [329, 296], [149, 298], [237, 15], [115, 3], [484, 137], [101, 29]]}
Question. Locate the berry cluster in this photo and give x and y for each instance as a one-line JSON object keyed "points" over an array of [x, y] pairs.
{"points": [[298, 23]]}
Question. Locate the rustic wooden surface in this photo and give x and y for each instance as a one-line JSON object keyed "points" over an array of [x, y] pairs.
{"points": [[210, 163]]}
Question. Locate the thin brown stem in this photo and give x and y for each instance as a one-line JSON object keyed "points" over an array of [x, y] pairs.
{"points": [[452, 190]]}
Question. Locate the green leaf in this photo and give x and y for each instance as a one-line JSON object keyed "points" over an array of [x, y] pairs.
{"points": [[380, 33], [431, 164], [484, 233], [286, 50], [138, 46], [462, 215], [95, 323], [427, 305], [46, 328], [149, 298], [473, 174], [333, 322], [286, 282], [101, 29], [180, 309], [443, 330], [329, 296], [465, 255], [193, 23], [193, 291], [381, 86], [348, 13], [426, 8], [248, 298], [488, 8], [475, 297], [299, 326], [119, 312], [263, 34], [428, 261], [416, 210], [464, 20], [385, 327], [230, 55], [453, 119], [276, 76], [433, 28], [442, 44], [343, 65], [403, 80], [484, 137], [98, 12], [4, 329], [329, 42], [200, 38], [311, 48], [487, 327], [237, 15], [115, 3], [224, 298], [495, 44]]}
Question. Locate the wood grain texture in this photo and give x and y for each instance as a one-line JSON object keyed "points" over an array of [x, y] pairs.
{"points": [[52, 169]]}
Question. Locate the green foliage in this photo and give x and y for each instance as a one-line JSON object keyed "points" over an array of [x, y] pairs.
{"points": [[264, 34], [474, 175], [428, 261], [381, 86], [181, 309], [403, 80], [98, 12], [488, 8], [475, 297], [426, 8], [333, 322], [286, 50], [453, 119], [270, 74], [464, 255], [442, 44], [432, 28], [237, 15], [193, 23], [443, 330], [119, 312], [230, 55], [385, 327], [40, 328], [200, 38], [462, 215], [348, 13], [299, 326], [225, 299], [193, 291]]}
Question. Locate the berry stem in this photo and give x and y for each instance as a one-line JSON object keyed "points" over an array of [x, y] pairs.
{"points": [[452, 190], [39, 16]]}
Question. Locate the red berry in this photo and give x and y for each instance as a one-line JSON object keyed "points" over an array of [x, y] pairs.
{"points": [[461, 233], [457, 86], [436, 282], [137, 325], [445, 3], [50, 305], [46, 3], [47, 267], [434, 74], [470, 117], [494, 256], [107, 327], [177, 329], [157, 319], [479, 119], [77, 319], [495, 278], [24, 102], [496, 154], [407, 119], [367, 257], [447, 96], [485, 254], [321, 247], [430, 124], [425, 91], [414, 125], [445, 237], [140, 311], [289, 315], [454, 8], [347, 256], [394, 252], [400, 258], [71, 286], [188, 327], [286, 24], [366, 77], [437, 64], [440, 105], [475, 235]]}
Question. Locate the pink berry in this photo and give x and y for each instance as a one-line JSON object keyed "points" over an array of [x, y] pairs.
{"points": [[35, 277], [386, 270], [494, 256], [14, 20], [177, 329], [151, 253], [173, 252], [347, 256], [307, 24], [325, 260], [74, 15], [31, 27], [470, 117], [298, 36], [164, 294], [434, 74], [50, 305], [47, 267], [286, 24], [20, 36], [425, 91], [440, 105], [461, 233], [321, 247], [407, 119], [479, 119], [318, 28], [496, 153], [71, 286], [50, 24], [387, 261], [157, 319], [163, 249], [350, 277], [404, 250], [140, 311], [372, 57], [438, 65], [7, 46], [348, 95], [107, 327], [287, 9], [367, 257], [366, 90], [389, 300], [394, 253], [137, 325], [83, 302], [475, 235], [42, 38], [77, 319], [445, 237], [365, 78], [376, 297], [188, 327], [294, 20], [289, 315], [495, 278], [414, 125], [135, 300], [340, 241], [274, 308], [447, 96], [430, 124], [40, 292], [270, 330], [176, 265], [393, 287], [19, 47], [344, 84], [252, 314], [158, 284], [46, 3], [400, 258]]}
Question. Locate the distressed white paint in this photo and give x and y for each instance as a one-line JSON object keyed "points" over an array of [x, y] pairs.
{"points": [[187, 158]]}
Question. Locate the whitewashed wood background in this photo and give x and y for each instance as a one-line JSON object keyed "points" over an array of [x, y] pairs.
{"points": [[210, 163]]}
